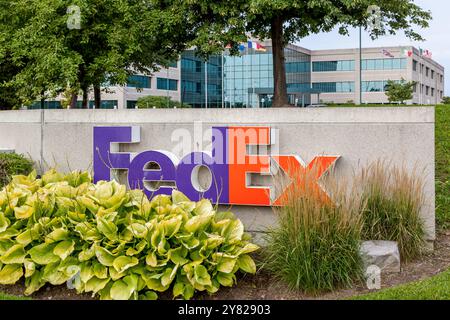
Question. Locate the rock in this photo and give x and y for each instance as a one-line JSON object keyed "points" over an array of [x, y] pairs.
{"points": [[383, 254]]}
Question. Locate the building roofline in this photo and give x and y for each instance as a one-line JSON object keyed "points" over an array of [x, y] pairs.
{"points": [[378, 48]]}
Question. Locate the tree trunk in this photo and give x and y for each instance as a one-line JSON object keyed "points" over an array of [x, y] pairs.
{"points": [[280, 98], [84, 104], [97, 96], [73, 101]]}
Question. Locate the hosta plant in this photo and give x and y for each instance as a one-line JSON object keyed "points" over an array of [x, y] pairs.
{"points": [[116, 243]]}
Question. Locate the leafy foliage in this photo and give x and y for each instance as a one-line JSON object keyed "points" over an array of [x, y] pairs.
{"points": [[159, 102], [13, 164], [115, 38], [399, 91], [115, 243]]}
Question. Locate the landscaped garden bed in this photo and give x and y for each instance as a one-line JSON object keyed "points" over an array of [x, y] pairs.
{"points": [[266, 284]]}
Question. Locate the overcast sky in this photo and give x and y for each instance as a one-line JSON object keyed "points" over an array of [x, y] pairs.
{"points": [[437, 37]]}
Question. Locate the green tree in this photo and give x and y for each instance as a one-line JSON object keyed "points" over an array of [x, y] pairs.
{"points": [[159, 102], [399, 91], [446, 100], [286, 21], [114, 39]]}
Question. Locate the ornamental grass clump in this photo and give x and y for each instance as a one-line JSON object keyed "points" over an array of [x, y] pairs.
{"points": [[315, 246], [394, 199], [114, 243]]}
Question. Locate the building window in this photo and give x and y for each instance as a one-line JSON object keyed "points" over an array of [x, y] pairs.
{"points": [[432, 92], [427, 72], [415, 87], [137, 81], [442, 94], [191, 86], [427, 90], [191, 65], [338, 87], [330, 66], [173, 64], [131, 104], [376, 86], [442, 78], [298, 67], [414, 65], [432, 74], [298, 87], [166, 84], [384, 64], [48, 105]]}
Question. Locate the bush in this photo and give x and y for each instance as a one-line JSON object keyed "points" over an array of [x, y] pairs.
{"points": [[115, 243], [149, 102], [315, 246], [393, 201], [13, 164]]}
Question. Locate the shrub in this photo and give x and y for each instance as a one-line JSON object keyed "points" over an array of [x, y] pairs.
{"points": [[315, 246], [115, 243], [13, 164], [393, 201], [149, 102]]}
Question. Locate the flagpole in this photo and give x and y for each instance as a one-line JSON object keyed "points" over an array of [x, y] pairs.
{"points": [[206, 84], [223, 80], [360, 65]]}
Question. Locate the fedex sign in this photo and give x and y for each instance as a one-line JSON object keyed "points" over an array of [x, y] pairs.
{"points": [[230, 163]]}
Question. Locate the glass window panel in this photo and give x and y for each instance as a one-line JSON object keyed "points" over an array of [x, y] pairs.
{"points": [[387, 64], [379, 65], [396, 64]]}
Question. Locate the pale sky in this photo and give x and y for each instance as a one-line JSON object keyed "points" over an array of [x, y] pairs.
{"points": [[437, 37]]}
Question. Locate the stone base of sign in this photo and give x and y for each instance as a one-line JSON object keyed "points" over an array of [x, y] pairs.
{"points": [[383, 254]]}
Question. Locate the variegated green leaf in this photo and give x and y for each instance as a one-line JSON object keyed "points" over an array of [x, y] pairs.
{"points": [[246, 264], [43, 254], [11, 273], [64, 248], [123, 263], [4, 222], [104, 256], [15, 254]]}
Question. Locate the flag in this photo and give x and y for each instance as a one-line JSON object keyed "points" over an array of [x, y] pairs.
{"points": [[407, 53], [387, 53], [427, 54], [256, 46]]}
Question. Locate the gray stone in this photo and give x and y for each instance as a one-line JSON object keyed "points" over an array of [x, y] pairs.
{"points": [[383, 254]]}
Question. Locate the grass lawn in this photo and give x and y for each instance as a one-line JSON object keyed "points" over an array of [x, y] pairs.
{"points": [[435, 288], [443, 166], [4, 296]]}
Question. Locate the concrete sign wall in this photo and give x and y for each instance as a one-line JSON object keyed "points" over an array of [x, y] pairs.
{"points": [[345, 137]]}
